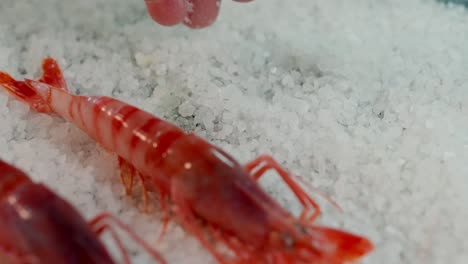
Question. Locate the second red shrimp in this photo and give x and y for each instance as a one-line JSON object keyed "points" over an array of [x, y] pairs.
{"points": [[37, 226], [201, 180]]}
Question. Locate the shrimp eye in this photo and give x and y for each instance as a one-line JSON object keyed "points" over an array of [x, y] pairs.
{"points": [[288, 240], [301, 229]]}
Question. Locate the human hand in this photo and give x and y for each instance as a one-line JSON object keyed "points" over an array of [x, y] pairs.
{"points": [[193, 13]]}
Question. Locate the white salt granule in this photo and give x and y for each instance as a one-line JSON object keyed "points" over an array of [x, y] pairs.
{"points": [[18, 107], [161, 69], [288, 81], [186, 109]]}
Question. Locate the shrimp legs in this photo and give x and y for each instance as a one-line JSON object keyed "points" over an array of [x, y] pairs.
{"points": [[259, 166], [100, 224]]}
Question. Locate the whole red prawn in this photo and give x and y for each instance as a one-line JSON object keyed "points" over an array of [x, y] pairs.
{"points": [[37, 226], [214, 196]]}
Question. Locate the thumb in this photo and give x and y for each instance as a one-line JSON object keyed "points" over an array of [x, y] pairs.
{"points": [[167, 12]]}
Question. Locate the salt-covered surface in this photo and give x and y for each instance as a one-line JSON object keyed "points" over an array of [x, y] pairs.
{"points": [[367, 100]]}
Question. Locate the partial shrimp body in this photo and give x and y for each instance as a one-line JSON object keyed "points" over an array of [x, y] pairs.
{"points": [[201, 180], [37, 226]]}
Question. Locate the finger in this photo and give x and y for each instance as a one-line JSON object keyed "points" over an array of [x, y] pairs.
{"points": [[167, 12], [201, 13]]}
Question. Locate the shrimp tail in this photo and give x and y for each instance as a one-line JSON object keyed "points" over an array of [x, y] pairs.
{"points": [[337, 246], [52, 74], [24, 91]]}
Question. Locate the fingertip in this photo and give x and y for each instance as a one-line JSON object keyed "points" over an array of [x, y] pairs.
{"points": [[202, 13], [166, 12]]}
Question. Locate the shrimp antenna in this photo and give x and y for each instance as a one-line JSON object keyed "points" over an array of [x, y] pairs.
{"points": [[316, 190]]}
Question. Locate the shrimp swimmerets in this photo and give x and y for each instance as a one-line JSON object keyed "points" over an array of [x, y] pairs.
{"points": [[214, 197], [37, 226]]}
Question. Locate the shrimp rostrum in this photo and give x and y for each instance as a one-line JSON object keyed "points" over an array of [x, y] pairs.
{"points": [[213, 196], [37, 226]]}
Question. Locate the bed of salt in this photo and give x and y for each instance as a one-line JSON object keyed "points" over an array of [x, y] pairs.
{"points": [[367, 100]]}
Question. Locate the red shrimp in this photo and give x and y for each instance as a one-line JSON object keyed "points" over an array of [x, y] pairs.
{"points": [[213, 196], [37, 226]]}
